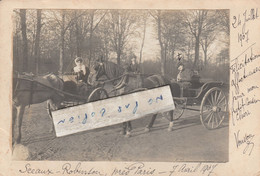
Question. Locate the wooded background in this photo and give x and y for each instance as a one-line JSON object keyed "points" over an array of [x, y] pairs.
{"points": [[49, 40]]}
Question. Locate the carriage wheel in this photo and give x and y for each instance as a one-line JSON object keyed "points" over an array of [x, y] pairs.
{"points": [[213, 108], [177, 112], [97, 94]]}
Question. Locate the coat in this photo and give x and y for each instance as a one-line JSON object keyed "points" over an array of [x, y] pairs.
{"points": [[185, 75], [80, 74]]}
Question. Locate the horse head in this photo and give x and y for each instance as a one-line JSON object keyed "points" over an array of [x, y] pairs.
{"points": [[100, 69]]}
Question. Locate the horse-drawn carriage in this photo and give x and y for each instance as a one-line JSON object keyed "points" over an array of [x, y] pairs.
{"points": [[210, 96], [59, 93], [62, 93]]}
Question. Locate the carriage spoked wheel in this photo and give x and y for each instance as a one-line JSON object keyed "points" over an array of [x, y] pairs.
{"points": [[98, 94], [213, 108], [177, 112]]}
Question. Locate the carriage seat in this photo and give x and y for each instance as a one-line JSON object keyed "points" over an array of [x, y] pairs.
{"points": [[190, 87]]}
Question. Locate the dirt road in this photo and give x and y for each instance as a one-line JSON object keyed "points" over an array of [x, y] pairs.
{"points": [[189, 141]]}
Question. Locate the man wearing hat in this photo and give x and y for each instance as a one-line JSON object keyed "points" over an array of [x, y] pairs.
{"points": [[81, 70], [133, 66]]}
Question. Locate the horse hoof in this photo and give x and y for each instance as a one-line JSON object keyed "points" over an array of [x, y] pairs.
{"points": [[128, 135], [169, 129], [20, 152], [146, 129]]}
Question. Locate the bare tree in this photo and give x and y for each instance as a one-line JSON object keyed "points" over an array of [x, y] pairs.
{"points": [[144, 20], [157, 15], [223, 20], [94, 22], [195, 20], [209, 33], [122, 25], [24, 36], [37, 42], [64, 26], [170, 34]]}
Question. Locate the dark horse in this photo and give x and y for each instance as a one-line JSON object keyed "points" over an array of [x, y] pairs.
{"points": [[29, 89], [129, 82]]}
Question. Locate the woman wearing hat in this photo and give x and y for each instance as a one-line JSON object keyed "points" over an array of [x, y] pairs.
{"points": [[184, 75], [81, 70]]}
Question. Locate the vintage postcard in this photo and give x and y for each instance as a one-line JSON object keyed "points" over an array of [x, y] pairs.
{"points": [[118, 88]]}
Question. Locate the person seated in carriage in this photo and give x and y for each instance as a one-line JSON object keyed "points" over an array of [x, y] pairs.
{"points": [[133, 66], [81, 71], [188, 79], [184, 74]]}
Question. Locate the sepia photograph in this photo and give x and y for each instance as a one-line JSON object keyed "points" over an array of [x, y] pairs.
{"points": [[71, 61]]}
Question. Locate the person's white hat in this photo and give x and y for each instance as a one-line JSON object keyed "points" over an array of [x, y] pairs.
{"points": [[78, 59]]}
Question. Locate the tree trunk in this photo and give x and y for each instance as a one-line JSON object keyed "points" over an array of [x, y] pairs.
{"points": [[25, 43], [37, 42], [119, 49], [78, 40], [106, 50], [62, 43], [197, 52], [118, 57], [90, 47], [165, 55], [189, 49], [91, 36], [142, 45], [206, 52], [160, 42]]}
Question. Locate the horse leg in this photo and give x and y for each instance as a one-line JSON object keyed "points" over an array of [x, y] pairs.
{"points": [[123, 132], [147, 128], [18, 123], [13, 124], [51, 106], [170, 128], [128, 129]]}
